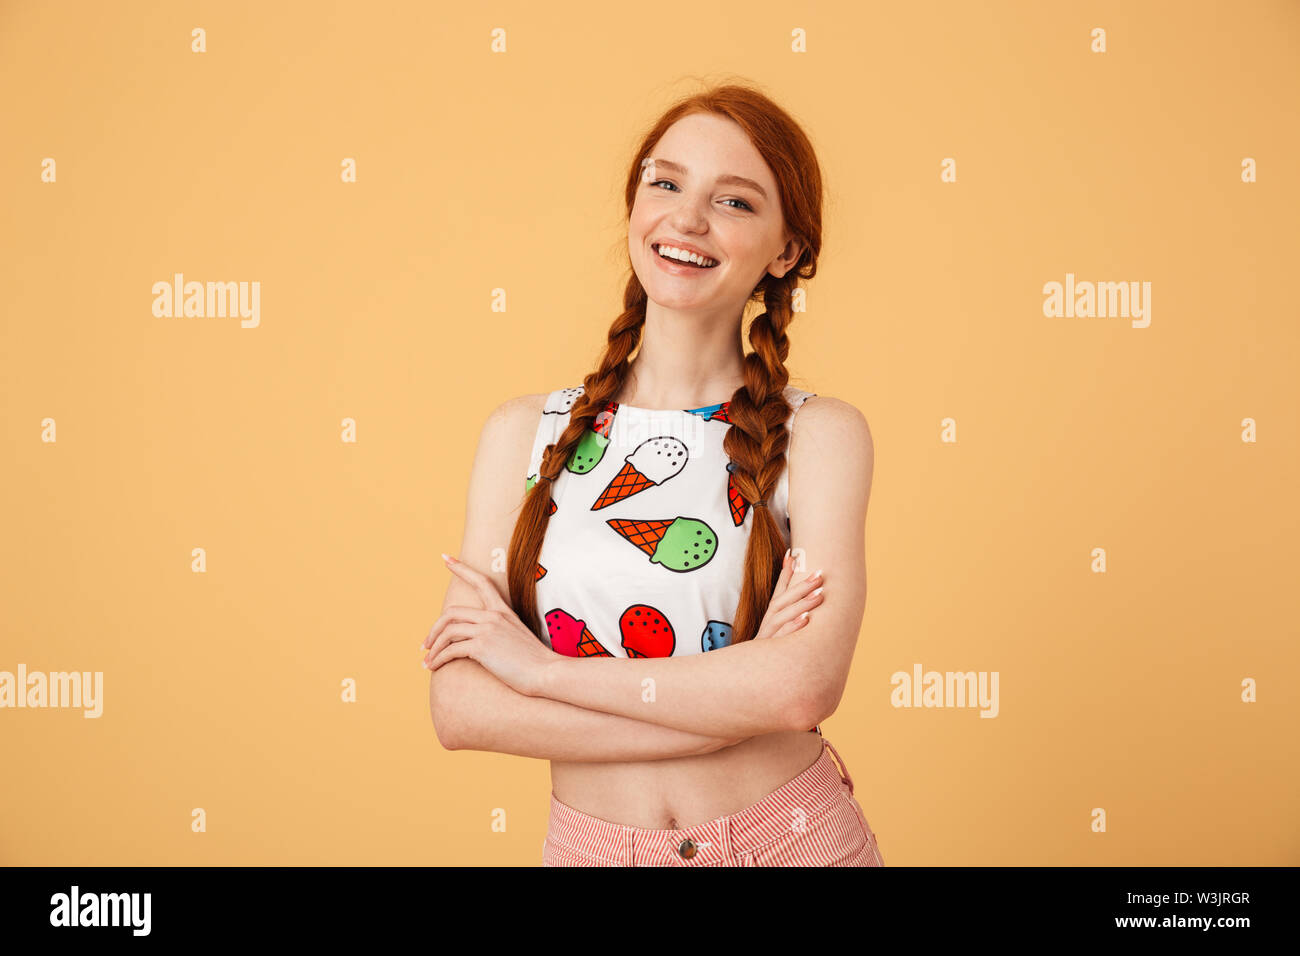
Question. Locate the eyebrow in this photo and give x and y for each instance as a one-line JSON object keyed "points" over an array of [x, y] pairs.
{"points": [[729, 179]]}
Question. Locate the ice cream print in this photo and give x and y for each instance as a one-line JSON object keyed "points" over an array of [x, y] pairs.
{"points": [[605, 420], [590, 450], [653, 462], [646, 632], [570, 636], [647, 496], [561, 401], [739, 506], [716, 634], [678, 544], [713, 413]]}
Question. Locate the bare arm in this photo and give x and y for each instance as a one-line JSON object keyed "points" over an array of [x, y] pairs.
{"points": [[494, 717], [790, 682], [473, 710]]}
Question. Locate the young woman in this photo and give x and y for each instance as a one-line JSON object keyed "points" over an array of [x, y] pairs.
{"points": [[657, 645]]}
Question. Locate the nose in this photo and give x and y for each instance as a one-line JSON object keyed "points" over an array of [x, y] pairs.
{"points": [[691, 213]]}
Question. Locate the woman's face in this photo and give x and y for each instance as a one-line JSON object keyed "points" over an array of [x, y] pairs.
{"points": [[706, 189]]}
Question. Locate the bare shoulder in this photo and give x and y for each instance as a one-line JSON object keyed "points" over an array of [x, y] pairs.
{"points": [[504, 443], [514, 421], [831, 450], [824, 420], [521, 407], [496, 481]]}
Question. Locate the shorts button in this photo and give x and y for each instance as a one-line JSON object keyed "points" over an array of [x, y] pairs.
{"points": [[687, 849]]}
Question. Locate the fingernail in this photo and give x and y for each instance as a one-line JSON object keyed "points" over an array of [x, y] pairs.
{"points": [[817, 592], [445, 558], [804, 614], [817, 573]]}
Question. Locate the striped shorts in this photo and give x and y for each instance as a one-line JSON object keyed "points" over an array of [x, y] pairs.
{"points": [[811, 820]]}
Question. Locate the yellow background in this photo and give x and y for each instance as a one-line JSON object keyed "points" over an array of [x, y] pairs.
{"points": [[481, 170]]}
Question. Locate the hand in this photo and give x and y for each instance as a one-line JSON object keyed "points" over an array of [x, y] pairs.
{"points": [[492, 634], [788, 609]]}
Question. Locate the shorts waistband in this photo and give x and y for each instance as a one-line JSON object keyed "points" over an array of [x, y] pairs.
{"points": [[716, 841]]}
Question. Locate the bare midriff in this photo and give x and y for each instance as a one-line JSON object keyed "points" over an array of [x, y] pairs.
{"points": [[679, 792]]}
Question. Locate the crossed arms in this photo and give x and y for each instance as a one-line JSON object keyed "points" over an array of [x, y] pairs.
{"points": [[598, 709]]}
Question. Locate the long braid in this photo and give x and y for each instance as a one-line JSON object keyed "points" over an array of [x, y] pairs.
{"points": [[599, 389], [756, 443]]}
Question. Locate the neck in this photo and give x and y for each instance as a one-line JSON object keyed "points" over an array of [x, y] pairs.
{"points": [[685, 360]]}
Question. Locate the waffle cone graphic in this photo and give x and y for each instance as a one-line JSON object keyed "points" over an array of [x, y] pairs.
{"points": [[588, 646], [738, 504], [541, 573], [646, 535], [626, 483]]}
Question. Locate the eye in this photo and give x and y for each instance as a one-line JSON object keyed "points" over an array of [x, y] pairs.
{"points": [[743, 205]]}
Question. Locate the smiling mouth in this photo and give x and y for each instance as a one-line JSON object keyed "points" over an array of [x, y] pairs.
{"points": [[681, 257]]}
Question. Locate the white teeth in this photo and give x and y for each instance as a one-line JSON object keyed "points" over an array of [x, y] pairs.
{"points": [[668, 252]]}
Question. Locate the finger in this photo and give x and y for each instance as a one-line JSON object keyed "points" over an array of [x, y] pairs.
{"points": [[793, 625], [807, 585], [455, 634], [784, 600], [485, 589], [810, 600], [787, 568], [816, 579], [777, 628], [455, 631], [456, 612], [797, 599], [450, 653]]}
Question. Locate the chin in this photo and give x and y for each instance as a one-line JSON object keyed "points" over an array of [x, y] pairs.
{"points": [[669, 298]]}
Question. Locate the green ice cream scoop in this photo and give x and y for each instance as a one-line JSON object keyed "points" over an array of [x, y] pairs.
{"points": [[687, 544], [590, 450]]}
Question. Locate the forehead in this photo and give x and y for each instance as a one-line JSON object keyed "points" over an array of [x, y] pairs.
{"points": [[713, 145]]}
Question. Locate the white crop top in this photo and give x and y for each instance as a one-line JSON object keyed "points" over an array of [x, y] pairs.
{"points": [[645, 547]]}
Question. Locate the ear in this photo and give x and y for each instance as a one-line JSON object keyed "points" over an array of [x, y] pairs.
{"points": [[790, 254]]}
